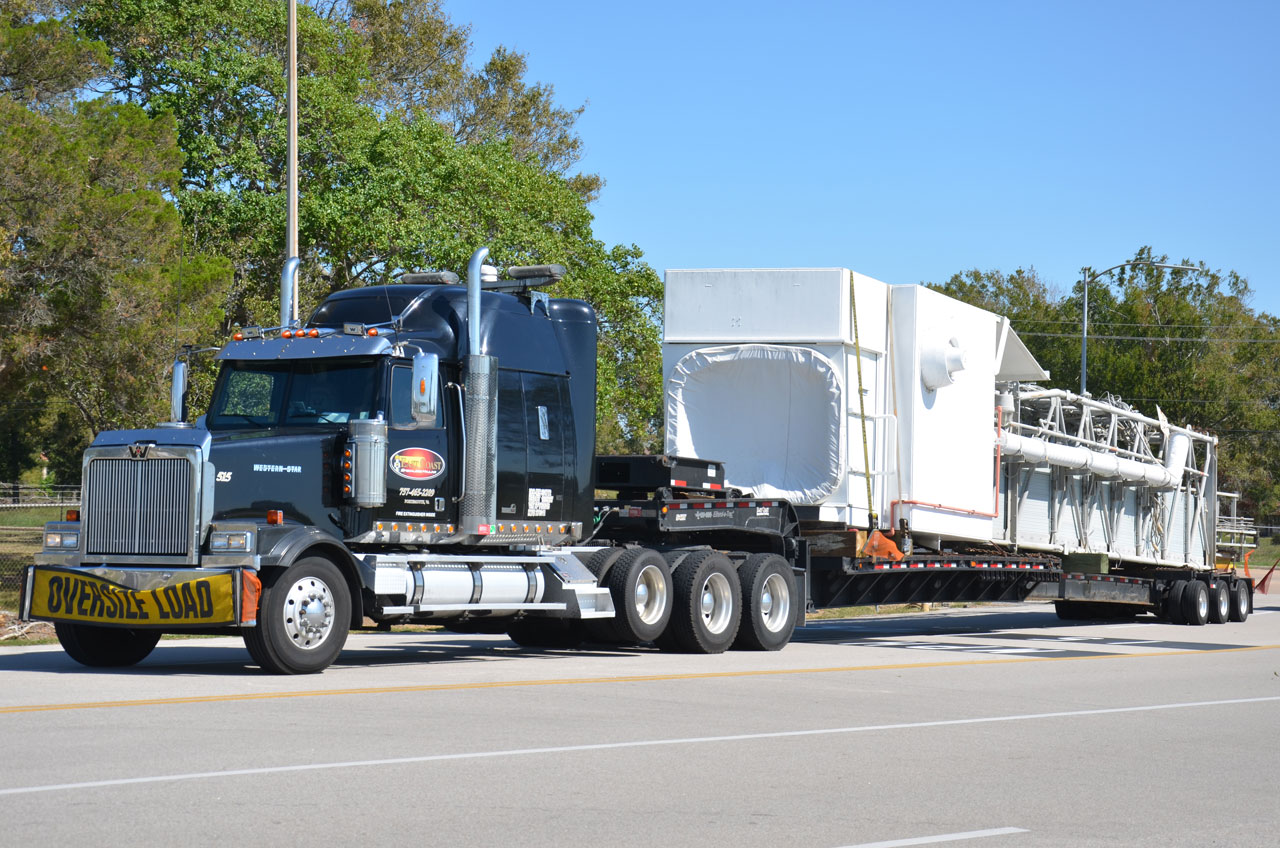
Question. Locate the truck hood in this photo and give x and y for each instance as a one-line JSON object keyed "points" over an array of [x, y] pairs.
{"points": [[295, 471]]}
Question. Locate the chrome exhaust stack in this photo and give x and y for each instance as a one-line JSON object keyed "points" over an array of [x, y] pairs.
{"points": [[480, 466], [287, 277]]}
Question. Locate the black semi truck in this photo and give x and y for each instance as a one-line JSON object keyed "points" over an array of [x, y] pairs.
{"points": [[424, 453]]}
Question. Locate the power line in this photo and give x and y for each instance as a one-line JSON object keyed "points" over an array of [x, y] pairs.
{"points": [[1150, 338], [1148, 324]]}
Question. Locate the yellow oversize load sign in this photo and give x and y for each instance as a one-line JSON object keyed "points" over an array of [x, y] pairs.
{"points": [[64, 595]]}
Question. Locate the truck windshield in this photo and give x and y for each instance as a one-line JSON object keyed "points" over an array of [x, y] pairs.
{"points": [[292, 393]]}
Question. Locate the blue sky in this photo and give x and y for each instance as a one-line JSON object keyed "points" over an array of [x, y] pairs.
{"points": [[913, 140]]}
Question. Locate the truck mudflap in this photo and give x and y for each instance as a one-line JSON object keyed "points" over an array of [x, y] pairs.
{"points": [[168, 598]]}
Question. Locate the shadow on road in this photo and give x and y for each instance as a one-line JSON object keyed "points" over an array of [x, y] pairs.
{"points": [[199, 657]]}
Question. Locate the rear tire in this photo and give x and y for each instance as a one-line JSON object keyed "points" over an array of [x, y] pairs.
{"points": [[1195, 603], [640, 584], [105, 647], [599, 563], [708, 605], [768, 603], [1173, 607], [1241, 601], [1219, 602], [303, 618], [547, 632]]}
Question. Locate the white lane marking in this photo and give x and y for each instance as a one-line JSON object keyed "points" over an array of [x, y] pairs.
{"points": [[608, 746], [945, 837]]}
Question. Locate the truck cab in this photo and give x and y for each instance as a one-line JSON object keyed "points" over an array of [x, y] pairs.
{"points": [[411, 452]]}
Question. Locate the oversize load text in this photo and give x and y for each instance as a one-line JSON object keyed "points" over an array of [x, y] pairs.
{"points": [[72, 597]]}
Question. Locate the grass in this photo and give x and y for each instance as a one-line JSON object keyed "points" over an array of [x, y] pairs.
{"points": [[883, 609], [30, 516]]}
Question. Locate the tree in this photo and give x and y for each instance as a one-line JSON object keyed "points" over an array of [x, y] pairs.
{"points": [[95, 289], [394, 175]]}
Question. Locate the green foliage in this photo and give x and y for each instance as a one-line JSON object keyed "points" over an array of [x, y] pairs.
{"points": [[95, 292], [408, 159], [1185, 341], [111, 210]]}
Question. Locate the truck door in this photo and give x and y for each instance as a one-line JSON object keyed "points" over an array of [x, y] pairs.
{"points": [[534, 428], [423, 464], [545, 418]]}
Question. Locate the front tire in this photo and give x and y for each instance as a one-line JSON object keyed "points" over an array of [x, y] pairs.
{"points": [[768, 603], [105, 647], [303, 618]]}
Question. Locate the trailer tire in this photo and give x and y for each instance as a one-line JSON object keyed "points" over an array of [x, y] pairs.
{"points": [[1241, 601], [1219, 602], [1173, 604], [1195, 603], [1071, 610], [640, 584], [105, 647], [768, 603], [286, 642], [547, 632], [708, 605]]}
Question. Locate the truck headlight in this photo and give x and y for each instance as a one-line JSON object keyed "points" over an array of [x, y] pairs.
{"points": [[61, 540], [230, 540]]}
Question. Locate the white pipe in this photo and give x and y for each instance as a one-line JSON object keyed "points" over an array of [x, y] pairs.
{"points": [[1095, 462], [1106, 407]]}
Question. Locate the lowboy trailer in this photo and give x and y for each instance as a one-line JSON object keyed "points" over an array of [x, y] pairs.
{"points": [[424, 453]]}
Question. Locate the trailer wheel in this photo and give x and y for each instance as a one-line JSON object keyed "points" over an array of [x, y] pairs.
{"points": [[547, 632], [1195, 603], [640, 583], [303, 618], [1241, 601], [708, 605], [1173, 604], [1219, 602], [768, 603], [105, 647]]}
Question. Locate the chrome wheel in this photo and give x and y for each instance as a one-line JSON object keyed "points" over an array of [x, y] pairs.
{"points": [[651, 594], [717, 603], [775, 603], [308, 613]]}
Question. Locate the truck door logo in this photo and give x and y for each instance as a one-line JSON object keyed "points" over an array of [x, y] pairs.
{"points": [[417, 463]]}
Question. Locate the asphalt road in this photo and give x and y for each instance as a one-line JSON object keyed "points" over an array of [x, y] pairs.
{"points": [[995, 727]]}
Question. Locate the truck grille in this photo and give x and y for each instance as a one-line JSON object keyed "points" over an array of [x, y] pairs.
{"points": [[138, 507]]}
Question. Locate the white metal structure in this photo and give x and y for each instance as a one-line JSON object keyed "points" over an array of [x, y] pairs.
{"points": [[878, 404]]}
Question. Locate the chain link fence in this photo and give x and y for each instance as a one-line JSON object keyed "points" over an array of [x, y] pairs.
{"points": [[24, 509], [17, 547]]}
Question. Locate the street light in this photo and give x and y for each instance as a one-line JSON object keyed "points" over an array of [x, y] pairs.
{"points": [[1084, 335]]}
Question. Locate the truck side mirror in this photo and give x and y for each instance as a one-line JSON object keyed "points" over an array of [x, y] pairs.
{"points": [[424, 399]]}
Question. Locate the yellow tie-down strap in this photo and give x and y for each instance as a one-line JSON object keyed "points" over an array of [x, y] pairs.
{"points": [[173, 599]]}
